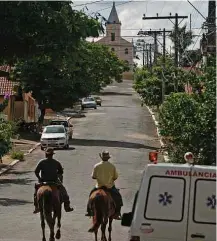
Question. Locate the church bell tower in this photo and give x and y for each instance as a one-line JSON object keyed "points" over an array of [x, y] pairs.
{"points": [[113, 25]]}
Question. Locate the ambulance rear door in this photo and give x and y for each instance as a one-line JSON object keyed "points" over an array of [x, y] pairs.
{"points": [[165, 205], [202, 206]]}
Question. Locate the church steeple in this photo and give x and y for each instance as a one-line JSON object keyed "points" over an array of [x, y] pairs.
{"points": [[113, 17]]}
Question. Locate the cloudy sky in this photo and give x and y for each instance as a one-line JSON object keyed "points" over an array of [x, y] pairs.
{"points": [[131, 13]]}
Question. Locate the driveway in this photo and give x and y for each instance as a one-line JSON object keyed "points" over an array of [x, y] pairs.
{"points": [[122, 127]]}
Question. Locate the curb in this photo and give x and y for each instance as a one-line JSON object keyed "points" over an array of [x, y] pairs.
{"points": [[165, 156], [9, 167], [13, 163], [32, 149]]}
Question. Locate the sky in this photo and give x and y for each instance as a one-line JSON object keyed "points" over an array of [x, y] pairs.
{"points": [[131, 12]]}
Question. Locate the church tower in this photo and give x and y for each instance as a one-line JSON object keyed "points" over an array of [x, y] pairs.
{"points": [[113, 25], [122, 48]]}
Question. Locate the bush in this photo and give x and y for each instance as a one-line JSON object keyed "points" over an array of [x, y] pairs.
{"points": [[189, 122], [6, 132], [18, 155]]}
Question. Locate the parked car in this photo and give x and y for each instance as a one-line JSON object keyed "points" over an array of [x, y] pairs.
{"points": [[54, 136], [98, 100], [88, 102], [66, 124]]}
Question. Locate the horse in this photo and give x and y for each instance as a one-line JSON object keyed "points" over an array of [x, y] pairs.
{"points": [[50, 208], [103, 207]]}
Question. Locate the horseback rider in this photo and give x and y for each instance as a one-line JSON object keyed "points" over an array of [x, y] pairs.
{"points": [[51, 171], [105, 174]]}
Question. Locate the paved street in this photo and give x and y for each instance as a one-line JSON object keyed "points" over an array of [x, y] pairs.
{"points": [[121, 126]]}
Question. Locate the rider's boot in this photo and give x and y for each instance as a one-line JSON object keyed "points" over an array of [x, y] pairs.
{"points": [[67, 207], [88, 212], [118, 213], [36, 210]]}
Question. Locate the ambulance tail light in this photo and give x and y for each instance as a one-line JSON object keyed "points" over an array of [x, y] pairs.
{"points": [[135, 238], [153, 155]]}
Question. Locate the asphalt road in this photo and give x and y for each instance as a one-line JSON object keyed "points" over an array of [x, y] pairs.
{"points": [[121, 126]]}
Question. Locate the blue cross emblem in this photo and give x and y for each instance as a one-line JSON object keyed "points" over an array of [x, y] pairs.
{"points": [[165, 198], [211, 202]]}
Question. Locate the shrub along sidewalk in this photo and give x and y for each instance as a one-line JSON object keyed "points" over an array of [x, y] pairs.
{"points": [[18, 151]]}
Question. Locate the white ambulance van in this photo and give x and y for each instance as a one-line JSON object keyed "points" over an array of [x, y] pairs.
{"points": [[175, 202]]}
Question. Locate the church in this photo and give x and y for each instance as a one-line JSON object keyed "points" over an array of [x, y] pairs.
{"points": [[123, 48]]}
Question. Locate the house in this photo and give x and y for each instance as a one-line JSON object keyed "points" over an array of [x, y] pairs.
{"points": [[123, 48], [21, 105]]}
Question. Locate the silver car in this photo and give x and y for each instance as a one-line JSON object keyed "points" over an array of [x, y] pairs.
{"points": [[88, 102]]}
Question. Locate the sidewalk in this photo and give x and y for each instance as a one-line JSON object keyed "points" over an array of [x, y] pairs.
{"points": [[21, 145]]}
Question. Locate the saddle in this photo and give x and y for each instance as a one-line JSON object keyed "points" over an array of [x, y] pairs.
{"points": [[41, 184]]}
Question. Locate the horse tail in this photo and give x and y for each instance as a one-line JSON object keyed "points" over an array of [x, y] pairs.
{"points": [[98, 203], [47, 206]]}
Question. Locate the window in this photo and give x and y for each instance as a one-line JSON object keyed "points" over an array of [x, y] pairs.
{"points": [[126, 51], [205, 202], [112, 49], [112, 36], [165, 199]]}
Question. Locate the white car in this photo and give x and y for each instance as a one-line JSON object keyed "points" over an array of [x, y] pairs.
{"points": [[88, 102], [54, 136]]}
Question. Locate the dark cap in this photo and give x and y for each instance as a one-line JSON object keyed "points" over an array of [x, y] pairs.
{"points": [[49, 151]]}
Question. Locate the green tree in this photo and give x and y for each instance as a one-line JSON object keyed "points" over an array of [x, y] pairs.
{"points": [[184, 37], [188, 122], [36, 28]]}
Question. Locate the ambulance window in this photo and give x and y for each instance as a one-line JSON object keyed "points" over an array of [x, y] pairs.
{"points": [[204, 201], [165, 199]]}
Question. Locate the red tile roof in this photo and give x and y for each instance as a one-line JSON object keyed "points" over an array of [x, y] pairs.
{"points": [[7, 86], [5, 68]]}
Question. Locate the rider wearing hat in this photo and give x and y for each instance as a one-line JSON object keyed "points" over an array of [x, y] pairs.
{"points": [[105, 174], [51, 170]]}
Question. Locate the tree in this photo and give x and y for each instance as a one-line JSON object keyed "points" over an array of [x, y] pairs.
{"points": [[149, 83], [35, 28], [189, 121], [96, 66], [7, 130], [185, 39]]}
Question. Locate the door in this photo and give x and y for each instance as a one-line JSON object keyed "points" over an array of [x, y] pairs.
{"points": [[165, 214], [202, 209]]}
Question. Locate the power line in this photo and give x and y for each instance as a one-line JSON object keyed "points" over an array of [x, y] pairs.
{"points": [[84, 4]]}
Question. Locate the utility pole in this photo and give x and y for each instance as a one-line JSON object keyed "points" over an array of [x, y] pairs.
{"points": [[150, 48], [143, 55], [176, 17], [155, 35], [147, 55], [164, 60], [211, 24]]}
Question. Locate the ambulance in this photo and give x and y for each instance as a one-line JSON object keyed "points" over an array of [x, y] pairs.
{"points": [[175, 202]]}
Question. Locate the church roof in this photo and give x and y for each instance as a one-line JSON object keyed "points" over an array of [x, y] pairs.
{"points": [[113, 17]]}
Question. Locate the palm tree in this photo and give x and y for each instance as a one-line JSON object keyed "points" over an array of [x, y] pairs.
{"points": [[185, 39]]}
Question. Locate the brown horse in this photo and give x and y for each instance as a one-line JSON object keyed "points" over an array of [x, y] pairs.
{"points": [[103, 208], [49, 202]]}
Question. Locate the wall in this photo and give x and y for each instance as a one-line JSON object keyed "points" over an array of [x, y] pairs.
{"points": [[18, 109]]}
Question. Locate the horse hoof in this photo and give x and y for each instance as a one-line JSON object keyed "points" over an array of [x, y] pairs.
{"points": [[58, 234], [44, 239]]}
